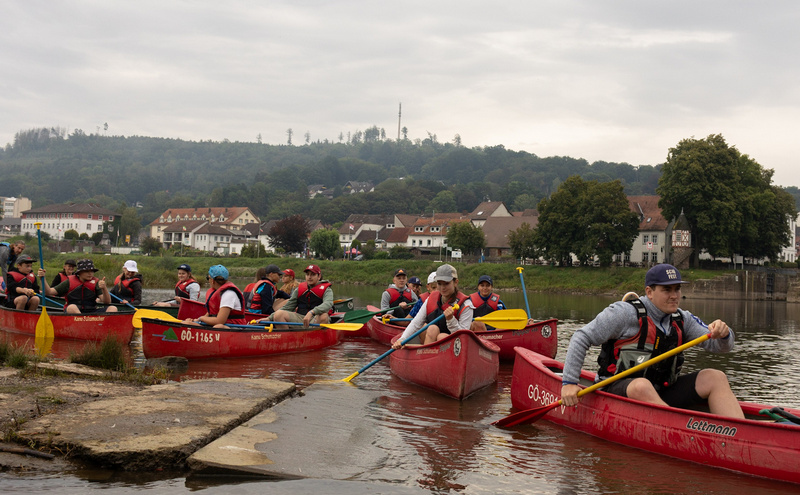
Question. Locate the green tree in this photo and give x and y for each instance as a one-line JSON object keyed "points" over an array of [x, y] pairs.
{"points": [[560, 222], [150, 245], [727, 197], [521, 241], [129, 223], [253, 250], [611, 226], [290, 234], [444, 202], [71, 234], [466, 237], [325, 243]]}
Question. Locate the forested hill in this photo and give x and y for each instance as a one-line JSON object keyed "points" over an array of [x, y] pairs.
{"points": [[51, 167]]}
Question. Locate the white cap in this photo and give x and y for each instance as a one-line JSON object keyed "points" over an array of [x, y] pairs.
{"points": [[432, 278], [131, 266]]}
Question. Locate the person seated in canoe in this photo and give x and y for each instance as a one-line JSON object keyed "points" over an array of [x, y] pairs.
{"points": [[265, 292], [261, 275], [22, 286], [311, 302], [187, 287], [440, 302], [399, 294], [415, 284], [224, 301], [289, 285], [633, 330], [485, 302], [128, 284], [8, 255], [82, 290], [430, 287], [69, 269]]}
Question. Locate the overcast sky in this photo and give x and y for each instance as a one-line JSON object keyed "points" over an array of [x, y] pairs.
{"points": [[619, 81]]}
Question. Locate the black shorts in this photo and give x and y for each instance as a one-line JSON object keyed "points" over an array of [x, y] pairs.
{"points": [[681, 394]]}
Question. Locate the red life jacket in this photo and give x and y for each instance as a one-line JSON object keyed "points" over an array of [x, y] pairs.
{"points": [[180, 288], [483, 308], [122, 288], [214, 299], [310, 298], [424, 296], [619, 355], [433, 309], [81, 294], [25, 281], [255, 305], [60, 277], [396, 297]]}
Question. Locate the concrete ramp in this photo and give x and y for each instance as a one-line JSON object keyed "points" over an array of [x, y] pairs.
{"points": [[327, 433]]}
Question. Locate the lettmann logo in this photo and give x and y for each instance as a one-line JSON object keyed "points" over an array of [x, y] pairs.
{"points": [[705, 426]]}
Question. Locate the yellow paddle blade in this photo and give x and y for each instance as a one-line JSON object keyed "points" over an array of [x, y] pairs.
{"points": [[345, 327], [151, 313], [45, 334], [513, 319]]}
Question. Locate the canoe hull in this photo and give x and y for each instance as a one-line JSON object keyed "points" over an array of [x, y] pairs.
{"points": [[759, 448], [541, 337], [456, 366], [163, 338], [94, 327]]}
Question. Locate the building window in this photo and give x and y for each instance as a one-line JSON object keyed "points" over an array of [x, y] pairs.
{"points": [[88, 227], [627, 257], [89, 216], [678, 236], [644, 257], [99, 217], [654, 257], [429, 242], [655, 239], [645, 239]]}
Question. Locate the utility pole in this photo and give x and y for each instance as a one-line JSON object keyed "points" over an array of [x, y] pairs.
{"points": [[399, 116]]}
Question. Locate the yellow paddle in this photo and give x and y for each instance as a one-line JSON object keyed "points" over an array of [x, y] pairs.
{"points": [[161, 315], [510, 319], [45, 333]]}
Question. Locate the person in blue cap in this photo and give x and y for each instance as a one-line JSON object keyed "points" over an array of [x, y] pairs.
{"points": [[224, 301], [485, 302], [638, 329]]}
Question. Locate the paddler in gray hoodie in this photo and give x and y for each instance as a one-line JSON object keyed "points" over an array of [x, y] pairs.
{"points": [[618, 330]]}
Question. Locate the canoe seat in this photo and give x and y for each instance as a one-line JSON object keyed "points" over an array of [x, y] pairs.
{"points": [[780, 415]]}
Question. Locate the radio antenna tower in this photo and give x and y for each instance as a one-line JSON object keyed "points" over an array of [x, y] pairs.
{"points": [[399, 115]]}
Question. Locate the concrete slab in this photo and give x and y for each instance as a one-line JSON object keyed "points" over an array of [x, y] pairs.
{"points": [[158, 427], [326, 433]]}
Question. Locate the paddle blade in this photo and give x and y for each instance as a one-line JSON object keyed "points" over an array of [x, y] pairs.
{"points": [[151, 313], [350, 377], [344, 327], [514, 319], [525, 417], [358, 316], [45, 334]]}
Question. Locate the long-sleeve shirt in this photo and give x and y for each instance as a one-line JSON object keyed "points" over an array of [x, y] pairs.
{"points": [[464, 321], [324, 307], [620, 321]]}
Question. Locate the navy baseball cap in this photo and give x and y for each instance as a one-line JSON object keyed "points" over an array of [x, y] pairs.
{"points": [[415, 280], [663, 274], [485, 278], [185, 268]]}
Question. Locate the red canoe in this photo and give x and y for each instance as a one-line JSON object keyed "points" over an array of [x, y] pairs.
{"points": [[94, 326], [756, 445], [456, 366], [195, 309], [540, 337], [168, 338]]}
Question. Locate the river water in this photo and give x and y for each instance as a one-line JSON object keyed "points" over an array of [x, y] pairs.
{"points": [[449, 446]]}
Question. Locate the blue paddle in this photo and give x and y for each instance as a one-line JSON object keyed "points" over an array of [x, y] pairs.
{"points": [[402, 343], [524, 292], [119, 299]]}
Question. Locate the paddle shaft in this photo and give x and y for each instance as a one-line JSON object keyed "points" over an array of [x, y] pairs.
{"points": [[41, 257], [333, 326], [536, 413], [402, 343], [524, 291], [355, 316], [120, 300]]}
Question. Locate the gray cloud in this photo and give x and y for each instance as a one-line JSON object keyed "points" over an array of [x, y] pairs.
{"points": [[614, 81]]}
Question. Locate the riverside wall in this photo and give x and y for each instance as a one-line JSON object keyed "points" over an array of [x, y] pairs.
{"points": [[776, 285]]}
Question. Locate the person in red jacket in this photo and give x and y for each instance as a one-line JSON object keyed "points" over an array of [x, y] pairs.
{"points": [[311, 302], [22, 285], [82, 291], [224, 302]]}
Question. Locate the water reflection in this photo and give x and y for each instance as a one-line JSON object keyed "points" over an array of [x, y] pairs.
{"points": [[435, 444]]}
